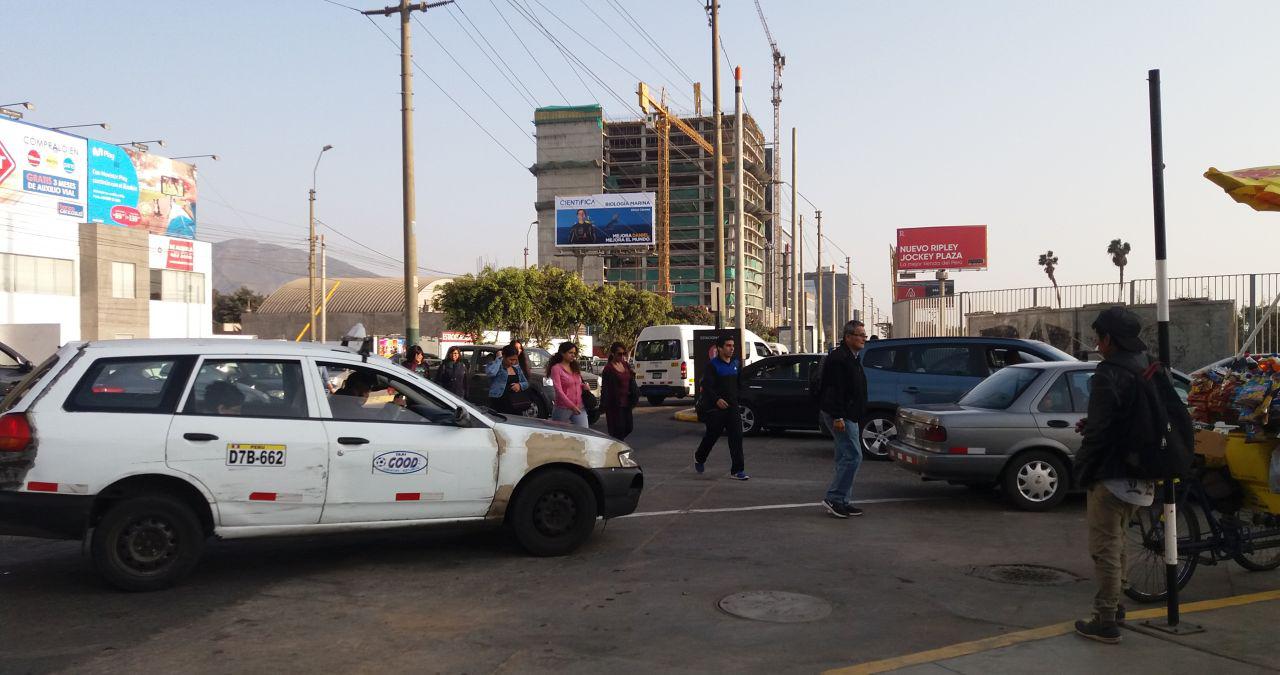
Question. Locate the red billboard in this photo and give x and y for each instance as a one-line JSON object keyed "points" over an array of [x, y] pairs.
{"points": [[957, 247]]}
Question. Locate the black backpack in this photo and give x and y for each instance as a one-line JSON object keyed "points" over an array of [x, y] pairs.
{"points": [[1161, 436]]}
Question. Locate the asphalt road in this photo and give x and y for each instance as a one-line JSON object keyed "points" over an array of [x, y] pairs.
{"points": [[640, 596]]}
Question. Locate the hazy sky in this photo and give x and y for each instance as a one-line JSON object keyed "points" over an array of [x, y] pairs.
{"points": [[1030, 117]]}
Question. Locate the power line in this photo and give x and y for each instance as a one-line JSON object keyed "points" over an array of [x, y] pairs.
{"points": [[620, 38], [469, 76], [455, 102], [533, 21], [528, 51], [530, 98], [631, 20]]}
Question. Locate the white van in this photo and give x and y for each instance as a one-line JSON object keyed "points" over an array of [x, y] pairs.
{"points": [[664, 359]]}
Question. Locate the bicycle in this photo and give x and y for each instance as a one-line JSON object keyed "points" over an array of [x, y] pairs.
{"points": [[1235, 532]]}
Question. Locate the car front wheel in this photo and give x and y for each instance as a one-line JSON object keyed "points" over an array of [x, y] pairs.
{"points": [[656, 400], [554, 514], [147, 543], [1035, 481], [750, 422], [877, 431]]}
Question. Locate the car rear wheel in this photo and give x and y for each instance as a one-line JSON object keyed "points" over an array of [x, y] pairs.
{"points": [[1035, 481], [554, 514], [656, 400], [877, 431], [750, 423], [539, 409], [147, 543]]}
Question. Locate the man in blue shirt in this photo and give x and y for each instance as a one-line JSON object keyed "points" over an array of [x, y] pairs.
{"points": [[718, 408]]}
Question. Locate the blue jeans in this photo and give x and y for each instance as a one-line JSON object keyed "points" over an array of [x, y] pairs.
{"points": [[566, 415], [848, 459]]}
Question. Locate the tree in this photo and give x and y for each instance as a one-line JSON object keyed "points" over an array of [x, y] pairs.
{"points": [[489, 300], [1119, 252], [756, 324], [560, 302], [1050, 262], [227, 307], [693, 314], [621, 310]]}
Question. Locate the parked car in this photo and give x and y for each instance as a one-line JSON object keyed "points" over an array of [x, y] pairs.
{"points": [[13, 367], [543, 393], [664, 359], [131, 445], [1015, 430], [900, 372]]}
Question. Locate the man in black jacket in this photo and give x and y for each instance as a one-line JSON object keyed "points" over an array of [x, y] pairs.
{"points": [[718, 408], [1103, 465], [842, 398]]}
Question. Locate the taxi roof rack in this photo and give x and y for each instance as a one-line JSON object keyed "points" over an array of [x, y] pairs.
{"points": [[357, 332]]}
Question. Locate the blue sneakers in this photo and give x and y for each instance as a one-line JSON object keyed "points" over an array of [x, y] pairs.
{"points": [[699, 467], [741, 475]]}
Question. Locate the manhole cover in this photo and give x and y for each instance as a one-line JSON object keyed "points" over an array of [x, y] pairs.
{"points": [[1026, 575], [776, 606]]}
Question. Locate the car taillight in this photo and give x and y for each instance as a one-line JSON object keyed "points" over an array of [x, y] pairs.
{"points": [[684, 370], [15, 432], [935, 434]]}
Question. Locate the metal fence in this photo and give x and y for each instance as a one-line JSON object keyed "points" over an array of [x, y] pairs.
{"points": [[1251, 295]]}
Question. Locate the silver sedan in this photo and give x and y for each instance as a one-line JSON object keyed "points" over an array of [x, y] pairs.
{"points": [[1015, 430]]}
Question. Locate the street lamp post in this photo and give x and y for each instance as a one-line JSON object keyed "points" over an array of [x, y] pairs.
{"points": [[141, 145], [526, 243], [14, 114], [311, 248], [213, 157], [104, 125]]}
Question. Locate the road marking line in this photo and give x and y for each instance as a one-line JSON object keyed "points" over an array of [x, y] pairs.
{"points": [[1010, 639], [770, 507]]}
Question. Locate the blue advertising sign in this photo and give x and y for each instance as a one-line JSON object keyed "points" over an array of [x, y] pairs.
{"points": [[113, 186], [602, 221]]}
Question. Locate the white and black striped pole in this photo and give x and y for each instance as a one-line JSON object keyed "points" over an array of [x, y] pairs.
{"points": [[1162, 326]]}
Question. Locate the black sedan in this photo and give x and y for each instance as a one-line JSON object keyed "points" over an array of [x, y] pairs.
{"points": [[775, 394]]}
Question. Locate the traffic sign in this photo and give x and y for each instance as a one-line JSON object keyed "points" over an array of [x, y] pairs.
{"points": [[7, 164]]}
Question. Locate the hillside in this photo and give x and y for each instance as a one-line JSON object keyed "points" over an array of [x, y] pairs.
{"points": [[266, 267]]}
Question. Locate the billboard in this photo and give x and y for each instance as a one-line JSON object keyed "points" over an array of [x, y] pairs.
{"points": [[601, 221], [912, 290], [113, 186], [958, 247], [166, 194], [42, 172]]}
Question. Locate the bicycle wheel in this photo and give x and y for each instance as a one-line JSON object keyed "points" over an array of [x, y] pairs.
{"points": [[1144, 545], [1257, 559]]}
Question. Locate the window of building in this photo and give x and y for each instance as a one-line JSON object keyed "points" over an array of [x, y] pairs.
{"points": [[33, 274], [177, 286], [122, 285]]}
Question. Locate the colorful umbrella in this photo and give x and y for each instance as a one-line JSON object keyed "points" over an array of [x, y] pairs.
{"points": [[1258, 187]]}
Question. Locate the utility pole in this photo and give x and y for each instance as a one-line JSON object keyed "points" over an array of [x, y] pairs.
{"points": [[405, 8], [718, 160], [324, 292], [739, 215], [817, 324], [311, 247], [863, 312], [848, 295], [796, 288]]}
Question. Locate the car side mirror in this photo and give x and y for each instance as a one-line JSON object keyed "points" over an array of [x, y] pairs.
{"points": [[461, 418]]}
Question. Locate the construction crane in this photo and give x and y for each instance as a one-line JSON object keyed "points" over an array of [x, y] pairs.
{"points": [[778, 62], [664, 119]]}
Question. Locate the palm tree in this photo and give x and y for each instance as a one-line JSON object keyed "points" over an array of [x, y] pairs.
{"points": [[1119, 252], [1050, 262]]}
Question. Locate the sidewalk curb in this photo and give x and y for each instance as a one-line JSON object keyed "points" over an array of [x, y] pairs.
{"points": [[687, 415], [1017, 637]]}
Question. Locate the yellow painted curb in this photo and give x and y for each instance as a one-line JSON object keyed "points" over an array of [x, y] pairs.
{"points": [[1009, 639], [689, 415]]}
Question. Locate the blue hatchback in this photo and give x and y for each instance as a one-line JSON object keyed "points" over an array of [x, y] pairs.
{"points": [[900, 371]]}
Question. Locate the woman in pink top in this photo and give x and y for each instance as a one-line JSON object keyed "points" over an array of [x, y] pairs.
{"points": [[564, 374]]}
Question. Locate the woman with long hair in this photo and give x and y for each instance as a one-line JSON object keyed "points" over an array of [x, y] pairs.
{"points": [[566, 377], [416, 360], [619, 393], [452, 373], [508, 387], [523, 357]]}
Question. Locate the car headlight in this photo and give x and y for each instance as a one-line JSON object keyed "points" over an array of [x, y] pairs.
{"points": [[624, 459]]}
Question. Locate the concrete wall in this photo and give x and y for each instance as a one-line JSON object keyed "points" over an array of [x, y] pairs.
{"points": [[36, 341], [1200, 331], [103, 317], [570, 162], [287, 326], [170, 319], [46, 237]]}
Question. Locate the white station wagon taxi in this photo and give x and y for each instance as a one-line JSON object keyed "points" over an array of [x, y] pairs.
{"points": [[145, 448]]}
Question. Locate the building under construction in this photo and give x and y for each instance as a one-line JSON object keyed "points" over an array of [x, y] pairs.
{"points": [[581, 153]]}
